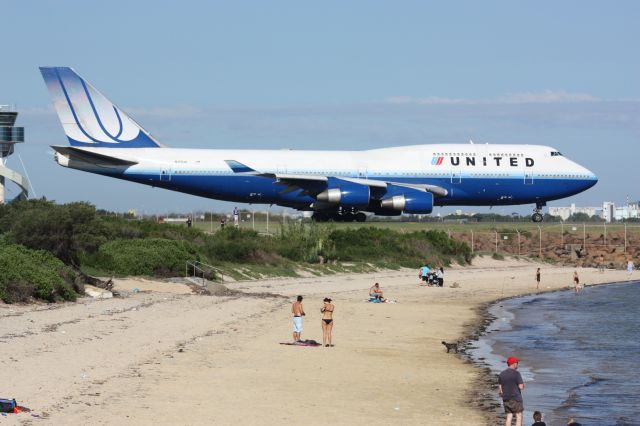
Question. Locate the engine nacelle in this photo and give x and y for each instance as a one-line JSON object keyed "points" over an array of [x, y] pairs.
{"points": [[410, 201], [347, 194]]}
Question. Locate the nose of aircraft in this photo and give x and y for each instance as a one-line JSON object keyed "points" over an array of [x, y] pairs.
{"points": [[590, 178]]}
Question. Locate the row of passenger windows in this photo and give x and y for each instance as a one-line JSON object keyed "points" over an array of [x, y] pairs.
{"points": [[426, 175]]}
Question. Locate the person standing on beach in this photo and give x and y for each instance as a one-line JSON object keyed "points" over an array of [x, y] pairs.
{"points": [[298, 312], [538, 279], [601, 264], [510, 387], [576, 282], [327, 321], [424, 273], [630, 267], [440, 276]]}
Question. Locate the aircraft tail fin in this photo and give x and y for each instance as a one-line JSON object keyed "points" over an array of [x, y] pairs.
{"points": [[89, 119]]}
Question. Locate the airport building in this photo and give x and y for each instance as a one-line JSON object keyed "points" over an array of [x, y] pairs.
{"points": [[628, 211], [566, 212], [9, 136], [609, 211]]}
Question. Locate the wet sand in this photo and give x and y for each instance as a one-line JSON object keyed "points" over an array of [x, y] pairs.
{"points": [[163, 355]]}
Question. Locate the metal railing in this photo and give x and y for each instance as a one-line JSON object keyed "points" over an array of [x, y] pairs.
{"points": [[197, 270]]}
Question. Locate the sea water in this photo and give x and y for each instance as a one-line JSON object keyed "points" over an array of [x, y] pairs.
{"points": [[579, 354]]}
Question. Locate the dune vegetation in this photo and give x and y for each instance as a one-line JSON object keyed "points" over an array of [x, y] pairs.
{"points": [[44, 245]]}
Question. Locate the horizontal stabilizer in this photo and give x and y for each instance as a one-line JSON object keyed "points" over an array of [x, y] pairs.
{"points": [[80, 154]]}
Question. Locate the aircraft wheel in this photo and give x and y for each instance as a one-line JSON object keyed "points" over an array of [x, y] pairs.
{"points": [[320, 217], [537, 217], [348, 217], [361, 217]]}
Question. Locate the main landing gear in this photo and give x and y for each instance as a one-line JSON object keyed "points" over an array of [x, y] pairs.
{"points": [[537, 216], [339, 216]]}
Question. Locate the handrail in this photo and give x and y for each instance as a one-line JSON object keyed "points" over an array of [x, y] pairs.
{"points": [[199, 270]]}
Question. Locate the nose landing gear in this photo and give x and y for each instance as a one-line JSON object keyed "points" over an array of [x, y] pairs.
{"points": [[537, 216]]}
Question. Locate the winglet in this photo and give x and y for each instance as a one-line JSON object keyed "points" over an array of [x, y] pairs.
{"points": [[238, 167]]}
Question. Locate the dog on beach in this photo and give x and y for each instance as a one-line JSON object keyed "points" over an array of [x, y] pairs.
{"points": [[451, 346]]}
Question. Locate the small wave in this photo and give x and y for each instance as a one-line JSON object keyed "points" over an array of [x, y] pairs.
{"points": [[571, 401], [592, 381], [533, 301], [625, 421]]}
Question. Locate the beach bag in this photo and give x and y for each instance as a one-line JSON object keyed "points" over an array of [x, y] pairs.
{"points": [[7, 405]]}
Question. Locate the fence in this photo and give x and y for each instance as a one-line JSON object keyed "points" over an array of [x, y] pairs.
{"points": [[543, 240]]}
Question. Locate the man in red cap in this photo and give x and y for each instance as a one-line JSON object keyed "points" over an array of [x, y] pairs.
{"points": [[510, 386]]}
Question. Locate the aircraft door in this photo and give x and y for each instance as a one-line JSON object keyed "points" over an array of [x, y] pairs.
{"points": [[362, 172], [165, 174], [456, 176], [528, 177]]}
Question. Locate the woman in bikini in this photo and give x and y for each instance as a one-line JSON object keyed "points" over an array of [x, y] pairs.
{"points": [[327, 321], [576, 282]]}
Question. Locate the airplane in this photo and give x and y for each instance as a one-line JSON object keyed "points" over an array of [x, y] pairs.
{"points": [[333, 185]]}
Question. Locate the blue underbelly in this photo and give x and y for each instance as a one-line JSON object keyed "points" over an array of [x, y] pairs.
{"points": [[469, 191]]}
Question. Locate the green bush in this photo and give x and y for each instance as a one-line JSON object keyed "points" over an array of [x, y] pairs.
{"points": [[149, 256], [404, 249], [65, 230], [26, 273]]}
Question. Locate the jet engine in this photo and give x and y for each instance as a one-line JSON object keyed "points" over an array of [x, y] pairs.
{"points": [[409, 200], [348, 194]]}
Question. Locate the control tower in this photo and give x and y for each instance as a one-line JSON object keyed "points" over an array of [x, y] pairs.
{"points": [[9, 136]]}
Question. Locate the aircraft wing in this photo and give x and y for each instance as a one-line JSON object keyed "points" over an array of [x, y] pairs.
{"points": [[310, 183]]}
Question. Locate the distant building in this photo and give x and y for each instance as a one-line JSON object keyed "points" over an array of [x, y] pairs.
{"points": [[630, 211], [566, 212], [608, 211]]}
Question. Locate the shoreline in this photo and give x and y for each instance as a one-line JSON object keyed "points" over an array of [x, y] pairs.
{"points": [[93, 361], [484, 395]]}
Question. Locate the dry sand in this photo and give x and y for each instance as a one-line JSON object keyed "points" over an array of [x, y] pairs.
{"points": [[162, 355]]}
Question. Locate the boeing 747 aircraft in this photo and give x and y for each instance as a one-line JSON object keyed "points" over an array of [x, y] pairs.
{"points": [[334, 185]]}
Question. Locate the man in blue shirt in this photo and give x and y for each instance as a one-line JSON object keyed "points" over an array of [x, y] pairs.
{"points": [[510, 387], [424, 272]]}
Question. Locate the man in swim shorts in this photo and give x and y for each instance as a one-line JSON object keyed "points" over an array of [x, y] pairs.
{"points": [[298, 312], [376, 292], [510, 386]]}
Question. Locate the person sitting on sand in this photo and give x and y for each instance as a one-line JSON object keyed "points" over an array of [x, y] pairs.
{"points": [[298, 312], [327, 321], [376, 292]]}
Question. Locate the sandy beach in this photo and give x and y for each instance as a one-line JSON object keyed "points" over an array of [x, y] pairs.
{"points": [[163, 355]]}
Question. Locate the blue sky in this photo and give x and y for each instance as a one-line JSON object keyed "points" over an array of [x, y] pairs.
{"points": [[333, 75]]}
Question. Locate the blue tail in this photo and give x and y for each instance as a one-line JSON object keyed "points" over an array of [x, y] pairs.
{"points": [[88, 117]]}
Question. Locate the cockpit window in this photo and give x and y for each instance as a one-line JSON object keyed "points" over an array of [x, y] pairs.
{"points": [[556, 154]]}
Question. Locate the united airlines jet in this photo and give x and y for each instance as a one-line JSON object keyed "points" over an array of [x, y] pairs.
{"points": [[334, 185]]}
